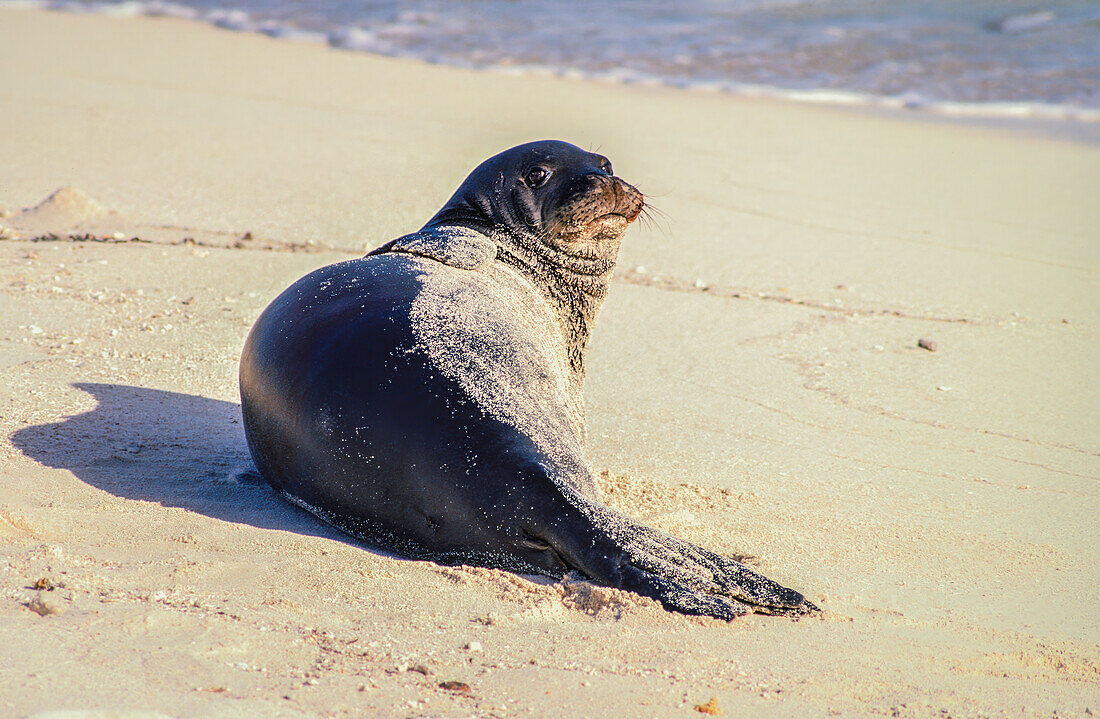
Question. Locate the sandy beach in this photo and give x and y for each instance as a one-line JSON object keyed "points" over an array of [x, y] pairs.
{"points": [[755, 384]]}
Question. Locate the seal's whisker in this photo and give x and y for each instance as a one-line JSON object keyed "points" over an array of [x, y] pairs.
{"points": [[653, 217]]}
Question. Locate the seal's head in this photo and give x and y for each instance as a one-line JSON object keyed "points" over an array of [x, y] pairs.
{"points": [[560, 204]]}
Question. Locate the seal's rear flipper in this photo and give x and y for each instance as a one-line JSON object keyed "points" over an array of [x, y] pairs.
{"points": [[679, 597], [620, 552]]}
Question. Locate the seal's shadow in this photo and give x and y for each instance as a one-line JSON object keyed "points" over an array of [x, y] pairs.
{"points": [[176, 449]]}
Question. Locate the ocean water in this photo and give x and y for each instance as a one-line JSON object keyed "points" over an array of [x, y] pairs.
{"points": [[996, 58]]}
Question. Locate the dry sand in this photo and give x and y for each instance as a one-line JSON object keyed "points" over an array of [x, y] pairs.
{"points": [[754, 384]]}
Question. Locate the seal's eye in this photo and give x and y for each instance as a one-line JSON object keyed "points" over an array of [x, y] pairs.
{"points": [[536, 177], [605, 165]]}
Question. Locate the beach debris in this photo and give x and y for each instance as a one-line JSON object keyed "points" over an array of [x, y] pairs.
{"points": [[926, 344], [473, 647], [453, 686], [44, 605], [710, 707], [44, 583]]}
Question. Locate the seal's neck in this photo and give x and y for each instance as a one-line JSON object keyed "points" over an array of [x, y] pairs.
{"points": [[574, 286]]}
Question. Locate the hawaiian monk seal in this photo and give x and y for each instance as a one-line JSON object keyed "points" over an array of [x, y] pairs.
{"points": [[426, 398]]}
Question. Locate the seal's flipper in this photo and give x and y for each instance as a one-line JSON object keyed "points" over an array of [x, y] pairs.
{"points": [[678, 597], [615, 550], [732, 578]]}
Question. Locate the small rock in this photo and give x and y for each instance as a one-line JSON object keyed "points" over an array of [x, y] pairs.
{"points": [[420, 669], [44, 605], [456, 687], [43, 583], [311, 682], [473, 647], [710, 707], [926, 344], [117, 236]]}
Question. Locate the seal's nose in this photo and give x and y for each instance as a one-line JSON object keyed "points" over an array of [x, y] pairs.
{"points": [[628, 200]]}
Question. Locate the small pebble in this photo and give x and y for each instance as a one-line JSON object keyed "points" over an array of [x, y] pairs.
{"points": [[456, 687], [473, 647], [710, 707], [926, 344]]}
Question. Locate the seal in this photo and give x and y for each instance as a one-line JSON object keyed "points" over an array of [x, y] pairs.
{"points": [[426, 398]]}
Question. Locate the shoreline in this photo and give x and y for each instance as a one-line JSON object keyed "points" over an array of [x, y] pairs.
{"points": [[759, 382], [1063, 121]]}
